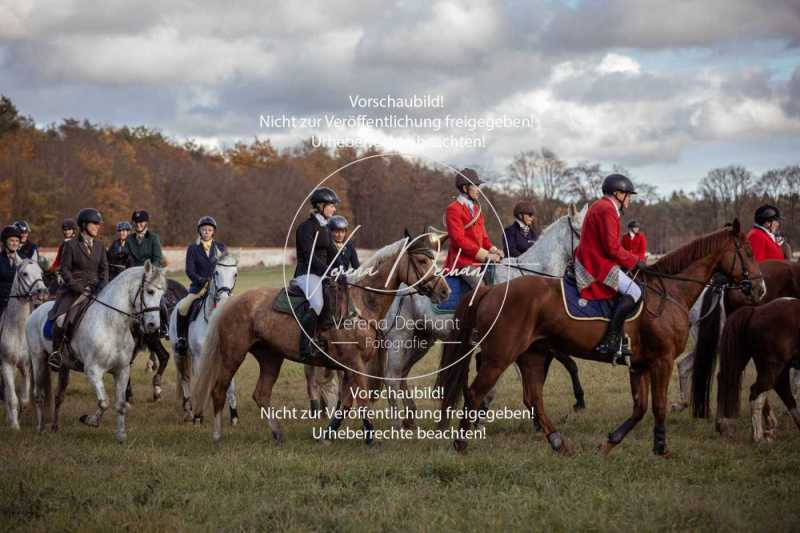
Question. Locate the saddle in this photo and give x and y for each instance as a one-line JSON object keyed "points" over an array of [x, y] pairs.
{"points": [[195, 309], [578, 308], [294, 300], [75, 316], [458, 288]]}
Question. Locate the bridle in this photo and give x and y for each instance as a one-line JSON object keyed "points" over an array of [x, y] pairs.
{"points": [[25, 291], [137, 298], [219, 291]]}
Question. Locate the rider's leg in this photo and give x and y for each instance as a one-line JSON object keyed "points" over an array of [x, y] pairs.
{"points": [[612, 340], [311, 286], [182, 321]]}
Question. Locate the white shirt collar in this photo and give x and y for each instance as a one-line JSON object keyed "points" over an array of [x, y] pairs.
{"points": [[614, 203], [466, 200], [321, 219], [522, 225], [767, 231]]}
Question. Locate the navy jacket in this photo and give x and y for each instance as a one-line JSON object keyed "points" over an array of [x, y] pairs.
{"points": [[518, 241], [8, 269], [118, 257], [324, 250], [348, 258], [199, 266]]}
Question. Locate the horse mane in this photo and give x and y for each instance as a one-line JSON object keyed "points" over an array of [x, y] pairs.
{"points": [[227, 255], [377, 258], [680, 259]]}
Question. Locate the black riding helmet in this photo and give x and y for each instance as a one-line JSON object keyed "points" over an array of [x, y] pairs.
{"points": [[8, 232], [140, 216], [523, 208], [88, 215], [323, 195], [467, 177], [69, 224], [206, 221], [766, 213], [618, 183], [23, 226], [633, 224], [337, 222]]}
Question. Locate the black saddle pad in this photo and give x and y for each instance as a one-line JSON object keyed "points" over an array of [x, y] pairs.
{"points": [[285, 303], [579, 308]]}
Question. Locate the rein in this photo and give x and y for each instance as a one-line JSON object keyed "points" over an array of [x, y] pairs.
{"points": [[138, 296], [218, 291]]}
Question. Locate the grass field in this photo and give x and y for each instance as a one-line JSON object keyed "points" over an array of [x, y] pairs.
{"points": [[170, 476]]}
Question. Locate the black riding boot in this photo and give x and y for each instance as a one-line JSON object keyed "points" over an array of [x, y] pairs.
{"points": [[308, 351], [182, 327], [55, 356], [612, 341]]}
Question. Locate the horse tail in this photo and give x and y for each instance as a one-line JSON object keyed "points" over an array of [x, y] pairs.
{"points": [[705, 353], [210, 364], [733, 357], [454, 365]]}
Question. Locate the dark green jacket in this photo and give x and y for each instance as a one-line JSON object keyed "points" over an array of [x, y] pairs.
{"points": [[149, 248]]}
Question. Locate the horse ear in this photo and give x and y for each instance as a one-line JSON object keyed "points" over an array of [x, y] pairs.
{"points": [[406, 233], [736, 227], [148, 267], [571, 211]]}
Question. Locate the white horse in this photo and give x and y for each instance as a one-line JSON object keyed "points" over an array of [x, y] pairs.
{"points": [[27, 291], [220, 288], [102, 341], [406, 343]]}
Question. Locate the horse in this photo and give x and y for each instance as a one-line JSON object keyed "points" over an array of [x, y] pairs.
{"points": [[782, 279], [770, 335], [27, 291], [405, 346], [526, 316], [220, 288], [249, 324], [103, 340]]}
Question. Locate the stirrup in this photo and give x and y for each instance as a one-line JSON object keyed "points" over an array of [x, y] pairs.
{"points": [[54, 361], [623, 355]]}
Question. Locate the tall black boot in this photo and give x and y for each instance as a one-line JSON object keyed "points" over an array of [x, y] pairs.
{"points": [[54, 361], [182, 327], [612, 340]]}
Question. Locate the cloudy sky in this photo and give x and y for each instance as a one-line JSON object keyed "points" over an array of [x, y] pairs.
{"points": [[669, 89]]}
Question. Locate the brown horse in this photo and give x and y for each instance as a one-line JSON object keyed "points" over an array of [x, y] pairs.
{"points": [[248, 323], [531, 319], [770, 334], [782, 279]]}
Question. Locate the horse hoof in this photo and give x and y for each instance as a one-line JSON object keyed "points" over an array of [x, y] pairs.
{"points": [[54, 428], [566, 449], [187, 417], [234, 420], [278, 438], [197, 420], [677, 407], [580, 405], [121, 437], [666, 454], [87, 420], [460, 446], [605, 448]]}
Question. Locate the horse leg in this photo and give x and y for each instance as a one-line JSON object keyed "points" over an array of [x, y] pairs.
{"points": [[121, 378], [765, 381], [63, 382], [154, 343], [684, 382], [220, 391], [27, 375], [639, 380], [41, 387], [660, 373], [312, 389], [784, 390], [11, 400], [233, 405], [270, 368], [95, 377], [488, 374], [577, 389], [532, 367]]}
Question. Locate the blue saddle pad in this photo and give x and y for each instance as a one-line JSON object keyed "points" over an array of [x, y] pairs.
{"points": [[581, 309], [47, 330], [458, 288]]}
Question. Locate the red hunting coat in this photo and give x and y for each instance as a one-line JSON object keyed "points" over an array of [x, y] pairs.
{"points": [[637, 245], [468, 241], [763, 245], [600, 255]]}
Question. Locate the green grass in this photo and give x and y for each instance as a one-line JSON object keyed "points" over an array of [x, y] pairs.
{"points": [[170, 476]]}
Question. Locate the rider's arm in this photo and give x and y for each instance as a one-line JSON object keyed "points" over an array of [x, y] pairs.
{"points": [[305, 239], [354, 262], [66, 270], [455, 229], [611, 242], [102, 271], [191, 269]]}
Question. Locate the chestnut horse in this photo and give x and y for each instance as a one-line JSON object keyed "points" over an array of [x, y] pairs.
{"points": [[248, 323], [530, 319], [770, 334]]}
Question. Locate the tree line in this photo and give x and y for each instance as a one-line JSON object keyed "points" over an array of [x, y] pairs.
{"points": [[254, 190]]}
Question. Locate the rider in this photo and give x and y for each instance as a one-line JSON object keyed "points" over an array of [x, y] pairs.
{"points": [[348, 257], [200, 259], [599, 260], [520, 234], [145, 244], [85, 271], [68, 229], [634, 241], [315, 253], [762, 236], [9, 259], [117, 253], [465, 227], [27, 249]]}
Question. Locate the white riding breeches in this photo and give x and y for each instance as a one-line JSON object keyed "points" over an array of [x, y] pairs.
{"points": [[311, 285], [629, 287]]}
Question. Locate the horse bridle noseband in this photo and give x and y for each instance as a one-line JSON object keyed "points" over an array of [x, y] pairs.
{"points": [[136, 315], [219, 291], [26, 290]]}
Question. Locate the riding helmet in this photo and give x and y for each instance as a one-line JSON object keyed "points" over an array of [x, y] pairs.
{"points": [[467, 177], [124, 225], [8, 232], [140, 216], [337, 222], [89, 214], [523, 208], [23, 226], [618, 183], [69, 224], [206, 221], [633, 224], [324, 195], [767, 213]]}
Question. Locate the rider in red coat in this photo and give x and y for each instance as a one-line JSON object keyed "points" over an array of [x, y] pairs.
{"points": [[762, 236], [634, 241], [469, 242], [600, 258]]}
